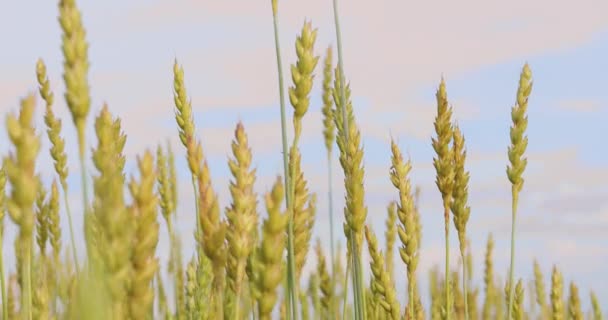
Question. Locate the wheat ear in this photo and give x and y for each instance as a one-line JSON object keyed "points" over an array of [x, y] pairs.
{"points": [[57, 150], [557, 295], [20, 169], [515, 169], [116, 225], [399, 175], [271, 251], [597, 309], [443, 164], [75, 75], [460, 209], [143, 260], [574, 303], [382, 285], [351, 159], [242, 214], [539, 287], [488, 279]]}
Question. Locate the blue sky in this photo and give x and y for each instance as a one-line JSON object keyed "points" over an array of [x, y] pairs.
{"points": [[395, 55]]}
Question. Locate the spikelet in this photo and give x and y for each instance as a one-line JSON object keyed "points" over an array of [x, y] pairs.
{"points": [[351, 159], [143, 260], [40, 299], [42, 218], [20, 169], [488, 279], [382, 285], [116, 225], [539, 286], [54, 223], [329, 126], [597, 310], [574, 303], [390, 234], [242, 213], [399, 175], [271, 251], [325, 282], [301, 75], [557, 295], [460, 192]]}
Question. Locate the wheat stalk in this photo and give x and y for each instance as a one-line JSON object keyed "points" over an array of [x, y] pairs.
{"points": [[488, 279], [445, 174], [460, 209], [75, 75], [518, 163]]}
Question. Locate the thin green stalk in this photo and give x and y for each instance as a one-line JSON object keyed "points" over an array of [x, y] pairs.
{"points": [[291, 294], [198, 225], [357, 274], [464, 284], [27, 266], [331, 222], [2, 283], [69, 213], [345, 291], [515, 198]]}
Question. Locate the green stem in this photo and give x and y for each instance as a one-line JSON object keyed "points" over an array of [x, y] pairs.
{"points": [[69, 213], [331, 226], [197, 234], [291, 302], [27, 273], [345, 290], [331, 212], [515, 198], [411, 297], [2, 283], [448, 305], [464, 285]]}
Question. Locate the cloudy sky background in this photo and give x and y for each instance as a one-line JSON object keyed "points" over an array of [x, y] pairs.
{"points": [[395, 54]]}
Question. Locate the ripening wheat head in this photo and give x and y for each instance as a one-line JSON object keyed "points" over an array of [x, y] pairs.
{"points": [[329, 127], [114, 222], [143, 260], [75, 65], [519, 142], [242, 214], [271, 251]]}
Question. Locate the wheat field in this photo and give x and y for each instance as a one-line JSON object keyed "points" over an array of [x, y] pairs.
{"points": [[287, 252]]}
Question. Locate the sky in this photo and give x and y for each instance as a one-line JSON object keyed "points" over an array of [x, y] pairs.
{"points": [[395, 54]]}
